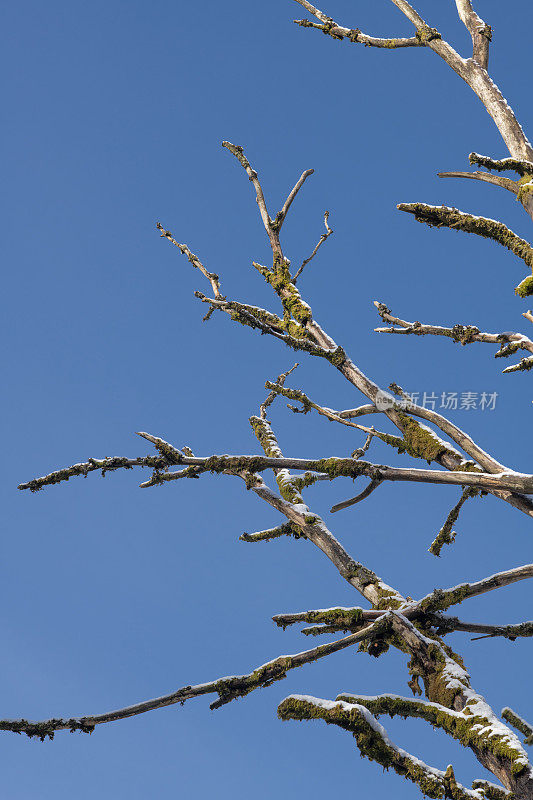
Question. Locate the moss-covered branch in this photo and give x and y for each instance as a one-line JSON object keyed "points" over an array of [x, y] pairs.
{"points": [[446, 535], [442, 216], [286, 529], [228, 689], [518, 723], [333, 467], [441, 599], [374, 743], [522, 167], [508, 341], [339, 616]]}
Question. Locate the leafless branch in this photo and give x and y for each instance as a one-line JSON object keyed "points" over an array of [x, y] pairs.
{"points": [[334, 467], [446, 535], [272, 234], [273, 394], [495, 180], [330, 27], [522, 166], [108, 464], [480, 32], [195, 261], [519, 723], [352, 619], [286, 529], [372, 486], [228, 689], [338, 616], [319, 243], [442, 216], [441, 599], [374, 742], [280, 217], [508, 341], [357, 36]]}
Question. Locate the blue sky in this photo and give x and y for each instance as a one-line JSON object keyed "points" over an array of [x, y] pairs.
{"points": [[112, 594]]}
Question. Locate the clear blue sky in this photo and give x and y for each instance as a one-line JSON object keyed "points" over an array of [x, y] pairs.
{"points": [[110, 594]]}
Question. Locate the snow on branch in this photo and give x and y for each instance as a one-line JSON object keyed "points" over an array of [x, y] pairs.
{"points": [[441, 599], [286, 529], [519, 723], [480, 32], [374, 743], [522, 167]]}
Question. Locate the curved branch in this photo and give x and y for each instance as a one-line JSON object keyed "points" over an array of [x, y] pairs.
{"points": [[373, 742], [443, 216], [496, 180], [372, 486]]}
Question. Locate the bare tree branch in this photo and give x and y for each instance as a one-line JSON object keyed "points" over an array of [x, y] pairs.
{"points": [[446, 535], [508, 341], [443, 216], [286, 529], [357, 36], [194, 260], [480, 32], [522, 166], [496, 180], [273, 394], [334, 467], [228, 689], [319, 243], [519, 723], [372, 486], [441, 599], [373, 742], [272, 233], [352, 619], [280, 217]]}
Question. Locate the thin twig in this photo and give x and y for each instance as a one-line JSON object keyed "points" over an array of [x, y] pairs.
{"points": [[320, 242], [372, 486], [280, 217], [273, 394], [195, 261]]}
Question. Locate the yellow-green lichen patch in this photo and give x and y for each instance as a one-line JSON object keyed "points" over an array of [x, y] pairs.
{"points": [[420, 441], [525, 288]]}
